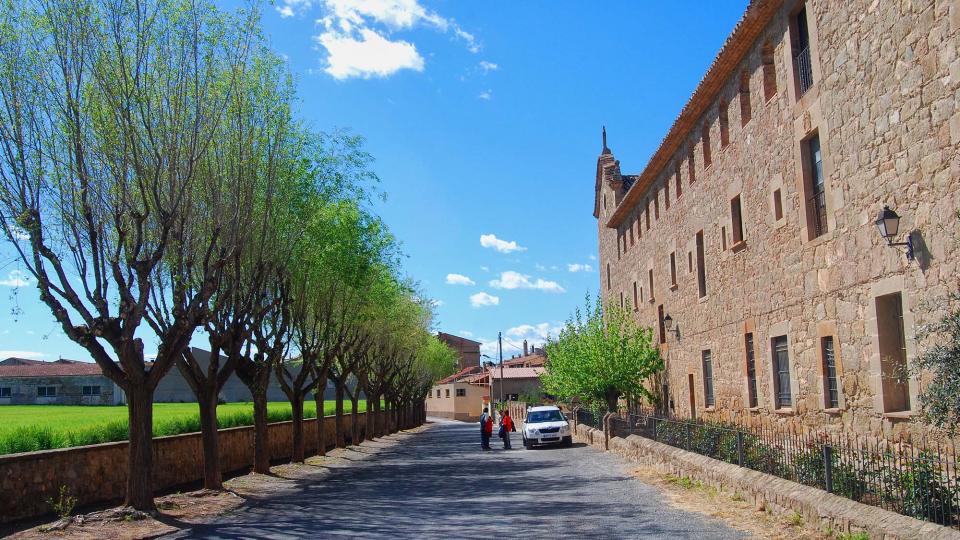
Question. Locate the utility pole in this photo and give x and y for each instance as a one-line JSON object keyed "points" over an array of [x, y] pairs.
{"points": [[500, 348]]}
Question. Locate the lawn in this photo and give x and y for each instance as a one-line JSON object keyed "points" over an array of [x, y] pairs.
{"points": [[25, 428]]}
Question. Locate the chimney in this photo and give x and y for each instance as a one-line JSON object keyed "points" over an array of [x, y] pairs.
{"points": [[525, 347]]}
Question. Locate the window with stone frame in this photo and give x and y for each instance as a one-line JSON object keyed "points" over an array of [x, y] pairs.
{"points": [[777, 205], [656, 205], [650, 284], [678, 180], [666, 193], [691, 167], [705, 141], [706, 360], [647, 210], [831, 387], [724, 124], [622, 306], [723, 238], [690, 262], [636, 297], [673, 270], [800, 51], [744, 98], [783, 395], [609, 283], [701, 268], [661, 325], [751, 370], [769, 71], [891, 337], [631, 231], [736, 220], [814, 187]]}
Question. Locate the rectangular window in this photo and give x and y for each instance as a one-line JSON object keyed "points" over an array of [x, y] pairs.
{"points": [[705, 136], [5, 392], [46, 391], [769, 71], [636, 299], [777, 205], [91, 390], [673, 269], [707, 361], [631, 233], [619, 244], [701, 270], [608, 278], [648, 213], [724, 125], [723, 238], [800, 41], [447, 393], [438, 392], [622, 306], [690, 261], [736, 218], [666, 193], [781, 369], [893, 353], [816, 198], [679, 181], [832, 392], [650, 283], [461, 392], [660, 324], [639, 227], [691, 167], [745, 110], [656, 206], [641, 294], [751, 371]]}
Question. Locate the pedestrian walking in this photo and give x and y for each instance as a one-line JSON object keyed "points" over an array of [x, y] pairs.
{"points": [[506, 427], [486, 429]]}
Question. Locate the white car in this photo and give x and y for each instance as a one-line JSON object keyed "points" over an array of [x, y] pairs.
{"points": [[546, 425]]}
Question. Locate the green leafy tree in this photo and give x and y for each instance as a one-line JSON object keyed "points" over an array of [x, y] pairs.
{"points": [[600, 356]]}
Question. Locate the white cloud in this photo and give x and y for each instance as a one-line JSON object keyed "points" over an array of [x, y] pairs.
{"points": [[577, 267], [16, 278], [466, 333], [437, 303], [482, 299], [592, 257], [503, 246], [486, 95], [540, 267], [357, 34], [535, 334], [487, 67], [29, 355], [459, 279], [485, 268], [372, 55], [285, 11], [515, 280]]}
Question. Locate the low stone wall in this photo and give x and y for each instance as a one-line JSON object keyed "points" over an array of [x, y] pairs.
{"points": [[818, 507], [98, 473]]}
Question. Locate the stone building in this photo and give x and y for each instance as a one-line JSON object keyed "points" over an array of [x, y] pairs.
{"points": [[468, 350], [748, 241]]}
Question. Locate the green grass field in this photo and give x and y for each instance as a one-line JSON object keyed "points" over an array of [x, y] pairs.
{"points": [[27, 428]]}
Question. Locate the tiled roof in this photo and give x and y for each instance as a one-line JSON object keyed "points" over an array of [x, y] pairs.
{"points": [[460, 374], [58, 368], [518, 373], [750, 27], [535, 359]]}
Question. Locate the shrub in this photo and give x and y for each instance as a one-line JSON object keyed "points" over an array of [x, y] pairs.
{"points": [[63, 505]]}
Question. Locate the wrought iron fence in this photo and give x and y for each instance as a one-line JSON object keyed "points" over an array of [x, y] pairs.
{"points": [[917, 482], [586, 417], [804, 69], [818, 212]]}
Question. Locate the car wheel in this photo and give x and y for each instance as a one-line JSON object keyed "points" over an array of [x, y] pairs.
{"points": [[567, 442], [526, 443]]}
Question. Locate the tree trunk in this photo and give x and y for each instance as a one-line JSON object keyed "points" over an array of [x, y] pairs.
{"points": [[296, 406], [377, 427], [371, 421], [355, 432], [140, 449], [207, 399], [318, 398], [261, 450], [613, 398], [338, 421]]}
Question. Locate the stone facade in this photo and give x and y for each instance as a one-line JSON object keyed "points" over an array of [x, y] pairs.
{"points": [[786, 264]]}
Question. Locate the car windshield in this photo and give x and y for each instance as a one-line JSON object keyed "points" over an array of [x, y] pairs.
{"points": [[535, 417]]}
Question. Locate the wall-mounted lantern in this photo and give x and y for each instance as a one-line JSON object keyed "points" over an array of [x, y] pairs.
{"points": [[888, 223]]}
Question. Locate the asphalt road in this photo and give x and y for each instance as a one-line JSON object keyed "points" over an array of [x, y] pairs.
{"points": [[438, 484]]}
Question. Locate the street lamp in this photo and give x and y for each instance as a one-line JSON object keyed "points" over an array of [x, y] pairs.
{"points": [[888, 223]]}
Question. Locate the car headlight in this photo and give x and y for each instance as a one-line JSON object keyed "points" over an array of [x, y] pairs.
{"points": [[532, 431]]}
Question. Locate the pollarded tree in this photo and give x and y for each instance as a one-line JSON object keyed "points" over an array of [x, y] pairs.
{"points": [[600, 356], [108, 112]]}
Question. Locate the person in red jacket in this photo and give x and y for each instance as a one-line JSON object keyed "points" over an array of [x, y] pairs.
{"points": [[486, 429], [506, 426]]}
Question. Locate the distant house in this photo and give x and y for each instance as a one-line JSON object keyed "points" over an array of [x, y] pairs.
{"points": [[468, 350], [72, 382], [459, 396]]}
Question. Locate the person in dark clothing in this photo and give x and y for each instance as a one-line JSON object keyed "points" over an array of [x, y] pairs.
{"points": [[506, 426], [486, 429]]}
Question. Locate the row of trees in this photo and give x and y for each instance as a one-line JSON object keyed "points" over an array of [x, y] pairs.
{"points": [[155, 182]]}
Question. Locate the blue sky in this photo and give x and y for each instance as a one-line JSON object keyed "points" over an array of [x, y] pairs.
{"points": [[484, 119]]}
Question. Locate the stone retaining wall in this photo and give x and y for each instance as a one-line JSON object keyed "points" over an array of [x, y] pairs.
{"points": [[817, 507], [97, 473]]}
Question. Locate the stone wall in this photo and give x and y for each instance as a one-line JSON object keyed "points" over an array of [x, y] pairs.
{"points": [[97, 473], [885, 105], [819, 508]]}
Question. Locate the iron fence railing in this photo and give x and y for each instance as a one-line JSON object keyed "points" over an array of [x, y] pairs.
{"points": [[804, 69], [818, 212], [914, 480]]}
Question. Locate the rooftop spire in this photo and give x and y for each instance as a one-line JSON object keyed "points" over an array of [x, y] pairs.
{"points": [[605, 149]]}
